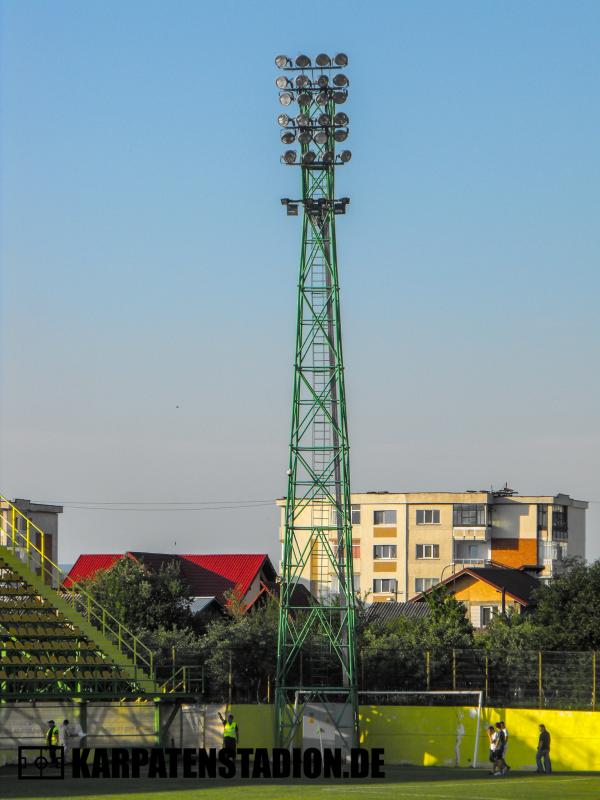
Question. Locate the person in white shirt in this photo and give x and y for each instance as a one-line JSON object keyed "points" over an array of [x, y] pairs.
{"points": [[64, 734]]}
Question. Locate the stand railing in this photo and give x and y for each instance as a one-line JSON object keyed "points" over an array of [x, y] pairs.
{"points": [[28, 542]]}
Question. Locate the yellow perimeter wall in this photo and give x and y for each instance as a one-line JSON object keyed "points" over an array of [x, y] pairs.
{"points": [[430, 736]]}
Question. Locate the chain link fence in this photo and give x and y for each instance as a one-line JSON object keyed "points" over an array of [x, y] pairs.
{"points": [[525, 679], [518, 679]]}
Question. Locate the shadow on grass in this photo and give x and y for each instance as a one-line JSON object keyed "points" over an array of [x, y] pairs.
{"points": [[12, 787]]}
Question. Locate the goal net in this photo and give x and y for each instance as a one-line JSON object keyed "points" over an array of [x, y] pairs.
{"points": [[435, 728], [441, 728]]}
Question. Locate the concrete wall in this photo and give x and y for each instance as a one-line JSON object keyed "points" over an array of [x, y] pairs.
{"points": [[446, 736], [417, 735]]}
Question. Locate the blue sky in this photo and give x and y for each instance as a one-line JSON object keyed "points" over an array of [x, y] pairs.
{"points": [[149, 272]]}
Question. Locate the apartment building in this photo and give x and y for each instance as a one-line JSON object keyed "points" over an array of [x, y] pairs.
{"points": [[404, 543]]}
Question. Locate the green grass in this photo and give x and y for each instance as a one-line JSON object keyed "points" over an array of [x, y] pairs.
{"points": [[404, 783]]}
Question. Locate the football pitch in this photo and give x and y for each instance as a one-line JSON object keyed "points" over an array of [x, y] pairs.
{"points": [[429, 784]]}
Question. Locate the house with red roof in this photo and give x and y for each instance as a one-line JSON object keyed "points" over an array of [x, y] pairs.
{"points": [[210, 577]]}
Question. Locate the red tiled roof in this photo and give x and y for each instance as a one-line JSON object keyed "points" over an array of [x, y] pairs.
{"points": [[238, 570], [206, 575], [88, 565]]}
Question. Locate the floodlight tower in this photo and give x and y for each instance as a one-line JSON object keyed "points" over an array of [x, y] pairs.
{"points": [[316, 658]]}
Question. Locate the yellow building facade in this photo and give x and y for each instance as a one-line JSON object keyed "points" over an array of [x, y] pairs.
{"points": [[404, 543]]}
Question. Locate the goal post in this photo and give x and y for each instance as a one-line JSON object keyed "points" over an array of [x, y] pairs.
{"points": [[325, 721], [476, 695]]}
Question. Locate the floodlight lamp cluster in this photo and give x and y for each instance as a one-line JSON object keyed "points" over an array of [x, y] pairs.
{"points": [[315, 206], [317, 89]]}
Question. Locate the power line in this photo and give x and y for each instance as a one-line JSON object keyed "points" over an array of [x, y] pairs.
{"points": [[214, 505]]}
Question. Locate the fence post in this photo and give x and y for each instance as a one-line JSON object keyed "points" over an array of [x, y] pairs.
{"points": [[487, 676], [594, 680], [539, 678], [453, 670], [362, 669], [230, 680], [268, 688], [428, 669]]}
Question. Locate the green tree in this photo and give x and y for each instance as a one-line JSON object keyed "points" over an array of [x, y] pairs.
{"points": [[568, 608], [143, 599], [246, 644]]}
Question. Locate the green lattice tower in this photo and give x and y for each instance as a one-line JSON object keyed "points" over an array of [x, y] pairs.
{"points": [[316, 646]]}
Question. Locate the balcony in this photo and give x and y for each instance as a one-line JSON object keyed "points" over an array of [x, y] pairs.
{"points": [[479, 533]]}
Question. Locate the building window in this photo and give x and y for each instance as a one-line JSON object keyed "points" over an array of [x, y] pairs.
{"points": [[355, 548], [559, 522], [422, 584], [428, 516], [468, 515], [355, 515], [428, 551], [542, 518], [384, 585], [384, 551], [384, 518], [470, 552], [486, 614], [356, 582]]}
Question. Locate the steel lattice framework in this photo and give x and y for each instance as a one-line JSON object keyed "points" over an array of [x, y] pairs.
{"points": [[316, 658]]}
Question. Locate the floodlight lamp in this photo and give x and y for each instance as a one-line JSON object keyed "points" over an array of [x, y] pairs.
{"points": [[304, 137], [323, 60], [341, 118], [282, 62], [304, 99], [345, 156], [302, 81], [292, 209], [283, 120], [303, 62], [328, 157], [282, 82], [323, 81], [340, 80], [285, 98], [321, 137], [309, 157], [340, 97], [322, 98], [288, 137], [303, 120], [340, 60], [324, 119], [341, 134], [289, 156]]}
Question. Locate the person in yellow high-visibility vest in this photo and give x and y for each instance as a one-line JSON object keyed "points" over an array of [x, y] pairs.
{"points": [[231, 733], [52, 741]]}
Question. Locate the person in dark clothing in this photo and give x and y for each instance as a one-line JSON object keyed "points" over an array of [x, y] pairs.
{"points": [[501, 748], [52, 741], [231, 733], [542, 757]]}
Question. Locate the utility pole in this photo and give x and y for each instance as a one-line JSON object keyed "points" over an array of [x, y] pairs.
{"points": [[316, 655]]}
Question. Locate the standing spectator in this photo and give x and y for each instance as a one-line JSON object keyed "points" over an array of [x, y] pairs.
{"points": [[542, 757], [52, 741], [64, 734], [231, 733]]}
